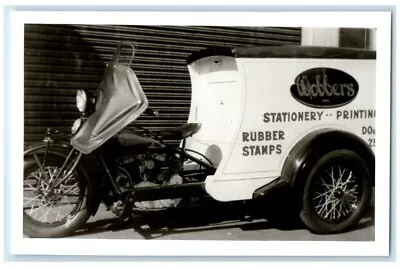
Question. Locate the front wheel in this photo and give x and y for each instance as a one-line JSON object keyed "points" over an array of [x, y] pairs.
{"points": [[52, 212], [337, 193]]}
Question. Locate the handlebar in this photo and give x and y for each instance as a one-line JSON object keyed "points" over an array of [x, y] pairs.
{"points": [[117, 53], [151, 112]]}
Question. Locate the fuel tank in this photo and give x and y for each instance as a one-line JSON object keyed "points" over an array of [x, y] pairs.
{"points": [[129, 141]]}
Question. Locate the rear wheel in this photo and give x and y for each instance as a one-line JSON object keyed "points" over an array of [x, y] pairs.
{"points": [[49, 212], [337, 192]]}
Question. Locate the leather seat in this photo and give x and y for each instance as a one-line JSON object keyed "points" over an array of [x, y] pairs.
{"points": [[183, 131]]}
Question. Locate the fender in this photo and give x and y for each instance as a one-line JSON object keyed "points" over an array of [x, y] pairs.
{"points": [[62, 148], [308, 150]]}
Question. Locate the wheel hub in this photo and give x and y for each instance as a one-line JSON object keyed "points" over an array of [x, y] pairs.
{"points": [[51, 197], [338, 194]]}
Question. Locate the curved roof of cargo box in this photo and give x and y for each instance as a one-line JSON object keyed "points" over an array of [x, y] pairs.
{"points": [[284, 52]]}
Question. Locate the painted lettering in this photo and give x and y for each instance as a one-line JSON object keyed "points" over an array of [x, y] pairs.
{"points": [[300, 116], [263, 136], [245, 137], [355, 114], [260, 150], [324, 88]]}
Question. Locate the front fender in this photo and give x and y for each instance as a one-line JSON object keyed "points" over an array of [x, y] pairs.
{"points": [[60, 146]]}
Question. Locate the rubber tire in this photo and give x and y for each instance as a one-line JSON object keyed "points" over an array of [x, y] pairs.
{"points": [[311, 219], [35, 230]]}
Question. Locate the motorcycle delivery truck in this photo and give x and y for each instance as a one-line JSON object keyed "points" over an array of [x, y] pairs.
{"points": [[261, 118]]}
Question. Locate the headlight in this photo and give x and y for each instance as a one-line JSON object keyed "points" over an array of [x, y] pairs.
{"points": [[81, 100], [77, 124]]}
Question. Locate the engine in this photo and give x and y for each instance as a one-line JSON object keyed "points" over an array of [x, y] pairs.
{"points": [[150, 169]]}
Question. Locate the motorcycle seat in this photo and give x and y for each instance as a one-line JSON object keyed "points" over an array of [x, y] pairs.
{"points": [[183, 131]]}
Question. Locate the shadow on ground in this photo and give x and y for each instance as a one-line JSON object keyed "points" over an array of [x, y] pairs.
{"points": [[205, 217]]}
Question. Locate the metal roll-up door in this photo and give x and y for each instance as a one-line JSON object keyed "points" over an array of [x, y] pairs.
{"points": [[59, 59]]}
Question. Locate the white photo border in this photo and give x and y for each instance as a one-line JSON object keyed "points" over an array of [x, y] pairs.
{"points": [[14, 136]]}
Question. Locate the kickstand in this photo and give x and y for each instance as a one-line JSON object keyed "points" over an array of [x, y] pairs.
{"points": [[127, 211]]}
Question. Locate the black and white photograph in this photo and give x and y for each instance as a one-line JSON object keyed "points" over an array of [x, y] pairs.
{"points": [[177, 132], [200, 132]]}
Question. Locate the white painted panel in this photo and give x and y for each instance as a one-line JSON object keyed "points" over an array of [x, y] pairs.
{"points": [[216, 102], [267, 87], [268, 96]]}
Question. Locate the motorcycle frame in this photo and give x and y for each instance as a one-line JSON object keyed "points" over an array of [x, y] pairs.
{"points": [[168, 191], [148, 193]]}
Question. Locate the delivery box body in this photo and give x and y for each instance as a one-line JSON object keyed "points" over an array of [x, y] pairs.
{"points": [[255, 106]]}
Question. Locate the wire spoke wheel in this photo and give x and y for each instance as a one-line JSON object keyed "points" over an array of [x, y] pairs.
{"points": [[336, 193], [54, 196], [51, 206]]}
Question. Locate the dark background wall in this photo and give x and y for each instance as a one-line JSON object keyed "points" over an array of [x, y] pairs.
{"points": [[60, 59]]}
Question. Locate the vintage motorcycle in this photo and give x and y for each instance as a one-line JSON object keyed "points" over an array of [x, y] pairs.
{"points": [[125, 169]]}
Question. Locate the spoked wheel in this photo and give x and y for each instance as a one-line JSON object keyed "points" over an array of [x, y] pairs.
{"points": [[53, 211], [336, 193]]}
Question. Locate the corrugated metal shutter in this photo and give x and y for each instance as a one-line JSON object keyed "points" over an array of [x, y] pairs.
{"points": [[59, 59]]}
